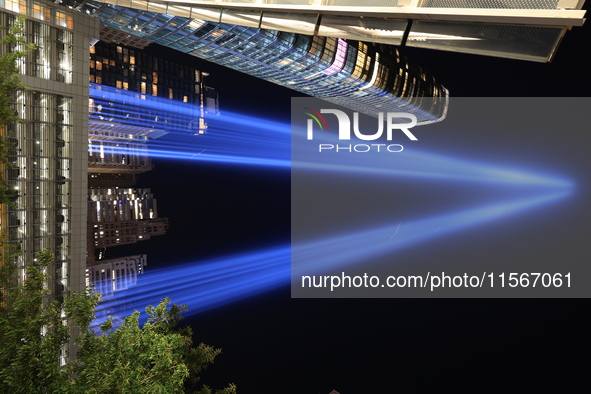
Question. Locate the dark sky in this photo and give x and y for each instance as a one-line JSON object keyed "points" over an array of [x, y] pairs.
{"points": [[274, 344]]}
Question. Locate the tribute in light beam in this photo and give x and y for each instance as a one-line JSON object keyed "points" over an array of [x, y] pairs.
{"points": [[205, 285], [240, 139], [316, 256], [214, 283]]}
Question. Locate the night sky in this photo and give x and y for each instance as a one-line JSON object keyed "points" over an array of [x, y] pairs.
{"points": [[274, 344]]}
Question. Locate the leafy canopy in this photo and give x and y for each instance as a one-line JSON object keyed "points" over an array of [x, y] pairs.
{"points": [[155, 357]]}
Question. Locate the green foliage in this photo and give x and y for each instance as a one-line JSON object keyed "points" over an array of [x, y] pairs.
{"points": [[153, 358], [8, 194], [31, 330], [14, 39], [9, 81]]}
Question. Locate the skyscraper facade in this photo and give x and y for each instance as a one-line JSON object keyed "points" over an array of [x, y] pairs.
{"points": [[366, 77], [128, 68], [49, 159], [133, 88], [120, 216], [518, 29], [111, 276]]}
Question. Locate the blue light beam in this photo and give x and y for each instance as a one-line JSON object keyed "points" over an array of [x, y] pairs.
{"points": [[206, 285], [334, 252], [211, 284]]}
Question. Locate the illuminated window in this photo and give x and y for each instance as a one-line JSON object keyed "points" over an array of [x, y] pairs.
{"points": [[285, 62], [112, 62], [92, 64], [125, 85], [60, 19], [118, 84], [155, 77], [143, 87], [154, 90], [99, 65], [22, 5], [119, 49], [69, 22], [11, 5], [185, 99], [170, 94], [359, 65], [99, 80], [339, 59], [132, 59], [92, 49], [41, 12]]}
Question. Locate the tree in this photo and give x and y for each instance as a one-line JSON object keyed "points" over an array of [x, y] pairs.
{"points": [[14, 40], [155, 357], [31, 332]]}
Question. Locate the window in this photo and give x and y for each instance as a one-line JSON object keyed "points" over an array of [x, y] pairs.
{"points": [[11, 5], [60, 19], [41, 12]]}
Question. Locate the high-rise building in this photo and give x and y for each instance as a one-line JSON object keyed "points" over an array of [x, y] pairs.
{"points": [[111, 276], [117, 153], [136, 77], [120, 216], [49, 159], [128, 68], [518, 29], [366, 77]]}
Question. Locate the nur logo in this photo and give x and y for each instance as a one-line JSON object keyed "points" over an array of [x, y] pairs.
{"points": [[345, 124]]}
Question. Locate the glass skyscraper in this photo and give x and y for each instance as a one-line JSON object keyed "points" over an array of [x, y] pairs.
{"points": [[366, 77]]}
